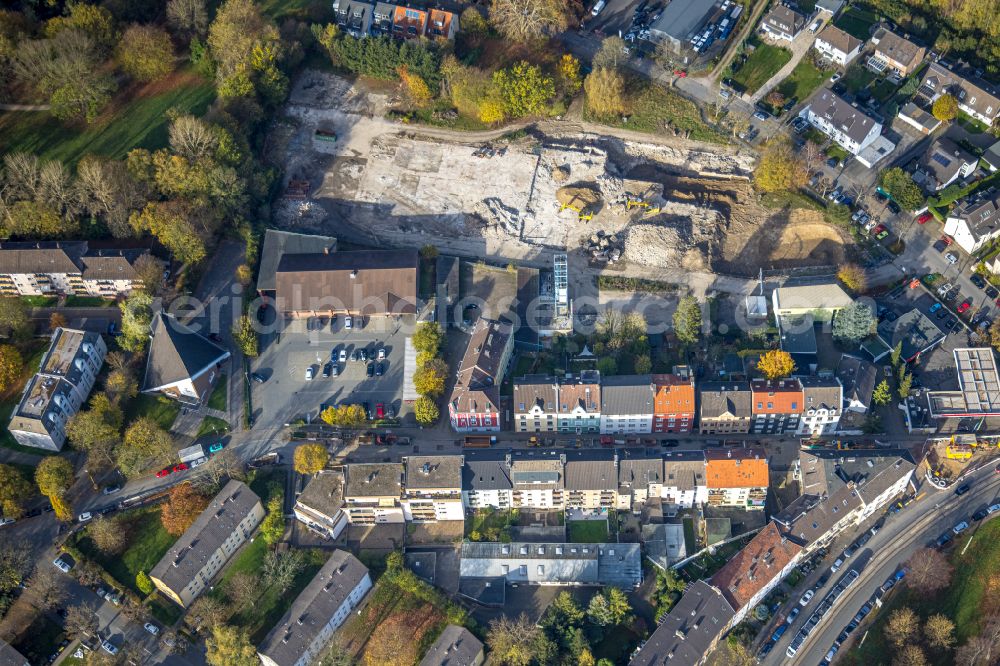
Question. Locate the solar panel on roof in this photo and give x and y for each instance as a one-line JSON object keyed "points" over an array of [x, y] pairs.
{"points": [[941, 159]]}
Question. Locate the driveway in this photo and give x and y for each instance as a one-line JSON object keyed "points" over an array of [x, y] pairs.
{"points": [[799, 47]]}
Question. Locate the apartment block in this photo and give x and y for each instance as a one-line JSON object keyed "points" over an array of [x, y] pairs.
{"points": [[591, 479], [776, 405], [456, 646], [580, 403], [372, 493], [203, 550], [536, 404], [320, 507], [537, 479], [640, 478], [674, 402], [822, 405], [58, 390], [724, 408], [627, 404], [474, 404], [44, 268], [432, 488], [684, 482], [486, 480], [737, 476]]}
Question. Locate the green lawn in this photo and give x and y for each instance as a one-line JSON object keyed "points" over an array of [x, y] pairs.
{"points": [[162, 410], [856, 78], [148, 542], [803, 80], [89, 302], [220, 394], [835, 150], [311, 9], [139, 122], [212, 426], [164, 609], [39, 301], [857, 22], [971, 124], [490, 524], [690, 539], [762, 64], [587, 531]]}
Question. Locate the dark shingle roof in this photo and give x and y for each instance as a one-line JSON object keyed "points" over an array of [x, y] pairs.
{"points": [[177, 352], [718, 398], [41, 257], [456, 646], [279, 243], [373, 480], [689, 630], [627, 394], [486, 470], [590, 470]]}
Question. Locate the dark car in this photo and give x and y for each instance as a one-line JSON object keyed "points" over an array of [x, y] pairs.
{"points": [[328, 369], [940, 245], [257, 378], [943, 540], [992, 292], [941, 314], [371, 369], [962, 489], [979, 515], [378, 369], [978, 281], [832, 162], [894, 207]]}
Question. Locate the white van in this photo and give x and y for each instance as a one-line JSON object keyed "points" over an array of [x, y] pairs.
{"points": [[815, 26], [598, 7]]}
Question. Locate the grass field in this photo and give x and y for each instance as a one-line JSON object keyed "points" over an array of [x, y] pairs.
{"points": [[857, 22], [163, 609], [211, 425], [587, 531], [147, 540], [490, 525], [971, 124], [136, 118], [89, 302], [857, 77], [218, 400], [803, 80], [162, 410], [762, 64], [39, 301]]}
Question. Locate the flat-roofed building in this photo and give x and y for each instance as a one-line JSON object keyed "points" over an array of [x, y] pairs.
{"points": [[474, 404], [978, 393], [821, 301], [618, 564], [688, 633], [536, 404], [205, 547], [432, 488], [724, 407], [303, 632], [372, 493], [591, 479], [58, 390], [684, 483], [627, 404], [537, 479], [320, 507], [737, 476], [11, 657], [680, 20], [914, 330], [486, 480], [456, 646], [674, 402], [579, 407]]}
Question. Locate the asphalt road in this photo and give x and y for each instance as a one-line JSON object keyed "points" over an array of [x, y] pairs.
{"points": [[904, 532]]}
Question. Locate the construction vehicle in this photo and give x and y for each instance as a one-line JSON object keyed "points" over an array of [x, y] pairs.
{"points": [[584, 217], [639, 203]]}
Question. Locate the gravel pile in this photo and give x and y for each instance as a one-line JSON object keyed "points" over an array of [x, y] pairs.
{"points": [[494, 213]]}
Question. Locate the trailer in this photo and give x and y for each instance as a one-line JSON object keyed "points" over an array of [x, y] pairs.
{"points": [[191, 453], [479, 441]]}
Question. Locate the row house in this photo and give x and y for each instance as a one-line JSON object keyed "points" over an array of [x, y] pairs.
{"points": [[571, 404], [837, 46], [372, 493], [474, 404], [673, 402], [67, 267], [360, 19], [724, 408], [822, 404], [846, 124], [486, 482], [591, 479], [640, 477], [737, 476], [684, 482], [535, 404], [627, 404], [432, 488], [579, 403], [776, 405], [537, 479], [976, 97]]}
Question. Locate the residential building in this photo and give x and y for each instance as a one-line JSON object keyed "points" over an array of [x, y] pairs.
{"points": [[181, 364], [976, 97], [975, 221], [688, 633], [776, 405], [537, 479], [674, 402], [441, 24], [474, 404], [640, 478], [917, 118], [536, 404], [591, 479], [895, 53], [684, 483], [372, 493], [821, 301], [432, 488], [681, 20], [362, 282], [354, 18], [822, 405], [618, 564], [409, 22], [382, 19], [830, 7], [849, 126], [58, 390], [11, 657], [320, 507], [978, 393], [753, 572], [205, 547], [992, 156], [724, 408], [917, 333], [797, 336], [486, 480], [627, 404], [782, 23], [736, 476], [858, 377], [456, 646], [279, 243], [837, 46], [942, 164], [303, 632], [580, 403], [50, 268]]}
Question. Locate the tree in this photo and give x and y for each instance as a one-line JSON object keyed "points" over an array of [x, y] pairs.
{"points": [[11, 365], [46, 589], [605, 92], [137, 315], [416, 88], [230, 646], [569, 73], [188, 18], [54, 476], [853, 277], [14, 491], [564, 610], [13, 316], [472, 22], [182, 509], [780, 169], [775, 99], [310, 458], [904, 383], [149, 272], [97, 430], [57, 320], [145, 53], [775, 364], [144, 583], [900, 187], [853, 323], [426, 411], [429, 379], [687, 320], [896, 354], [108, 534], [516, 642], [611, 55], [643, 364], [928, 570], [246, 48], [525, 20], [272, 528], [281, 567], [145, 442], [945, 108], [120, 386], [618, 606], [81, 621], [901, 626], [344, 416], [939, 631], [243, 589], [427, 338], [244, 275], [598, 610], [93, 21], [910, 655], [523, 89], [106, 190], [207, 611], [245, 336], [882, 394], [172, 225], [607, 366]]}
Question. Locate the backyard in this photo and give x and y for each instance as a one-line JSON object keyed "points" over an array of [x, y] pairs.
{"points": [[162, 410], [147, 540], [761, 65], [803, 80], [857, 22], [220, 394], [211, 425], [10, 397], [587, 531], [490, 525]]}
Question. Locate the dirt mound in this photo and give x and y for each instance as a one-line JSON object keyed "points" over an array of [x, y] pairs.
{"points": [[665, 246], [578, 197], [785, 239]]}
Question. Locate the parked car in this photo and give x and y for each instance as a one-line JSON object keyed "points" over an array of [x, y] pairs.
{"points": [[950, 256], [380, 411], [979, 515], [940, 245], [964, 306], [215, 448], [877, 230], [62, 564], [924, 218], [794, 613], [6, 521], [835, 567], [371, 369], [310, 373], [181, 467], [943, 540], [85, 516], [992, 508], [109, 647], [761, 115], [978, 281], [342, 355], [882, 235], [934, 308], [992, 292], [894, 207], [164, 472], [962, 489], [151, 628], [257, 378], [327, 369], [944, 289], [111, 490], [348, 322], [961, 527], [381, 353]]}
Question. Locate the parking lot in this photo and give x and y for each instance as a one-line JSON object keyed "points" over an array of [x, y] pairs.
{"points": [[318, 344]]}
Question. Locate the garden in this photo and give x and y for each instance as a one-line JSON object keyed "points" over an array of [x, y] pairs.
{"points": [[754, 70], [587, 531]]}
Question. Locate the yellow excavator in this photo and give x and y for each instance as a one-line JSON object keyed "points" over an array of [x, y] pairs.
{"points": [[639, 203], [584, 217]]}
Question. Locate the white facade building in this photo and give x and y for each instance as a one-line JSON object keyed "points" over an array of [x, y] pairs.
{"points": [[627, 404], [684, 483], [837, 46], [850, 127], [822, 405]]}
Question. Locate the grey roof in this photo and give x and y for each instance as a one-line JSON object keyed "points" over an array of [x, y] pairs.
{"points": [[456, 646], [627, 394], [373, 480], [920, 116], [324, 493], [177, 352], [898, 48], [353, 14], [821, 392], [832, 6], [314, 608], [562, 563], [798, 334], [683, 17], [784, 19], [486, 470], [189, 554], [858, 378], [639, 467], [489, 591], [279, 243], [992, 155], [838, 39], [914, 330], [867, 471], [590, 470], [688, 632], [431, 472], [422, 563], [41, 257], [684, 470], [943, 159], [477, 384], [719, 398], [535, 390], [111, 264], [852, 121], [965, 86], [979, 211]]}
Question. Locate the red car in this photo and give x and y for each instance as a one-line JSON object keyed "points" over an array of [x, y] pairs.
{"points": [[181, 467], [877, 230], [680, 72], [946, 240], [924, 218], [164, 472], [380, 411], [964, 306]]}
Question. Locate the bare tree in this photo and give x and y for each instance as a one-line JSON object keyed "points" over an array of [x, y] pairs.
{"points": [[910, 655], [187, 18], [928, 571], [135, 612], [207, 611], [611, 54], [193, 138], [280, 568], [812, 155], [243, 589], [45, 588], [739, 122], [22, 172], [525, 20], [224, 464], [105, 188], [81, 621]]}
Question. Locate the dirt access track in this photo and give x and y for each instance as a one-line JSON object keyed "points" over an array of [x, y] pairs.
{"points": [[661, 202]]}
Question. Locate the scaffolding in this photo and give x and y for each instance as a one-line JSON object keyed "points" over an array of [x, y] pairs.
{"points": [[560, 272]]}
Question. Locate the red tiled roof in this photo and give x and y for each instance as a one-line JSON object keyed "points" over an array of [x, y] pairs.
{"points": [[778, 396], [751, 569], [673, 395]]}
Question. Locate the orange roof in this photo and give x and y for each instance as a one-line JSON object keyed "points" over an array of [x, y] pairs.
{"points": [[440, 16], [754, 567], [778, 396], [674, 395], [736, 467]]}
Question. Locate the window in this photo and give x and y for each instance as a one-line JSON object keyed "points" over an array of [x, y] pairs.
{"points": [[770, 405], [972, 101], [541, 569], [795, 406], [523, 569], [411, 14]]}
